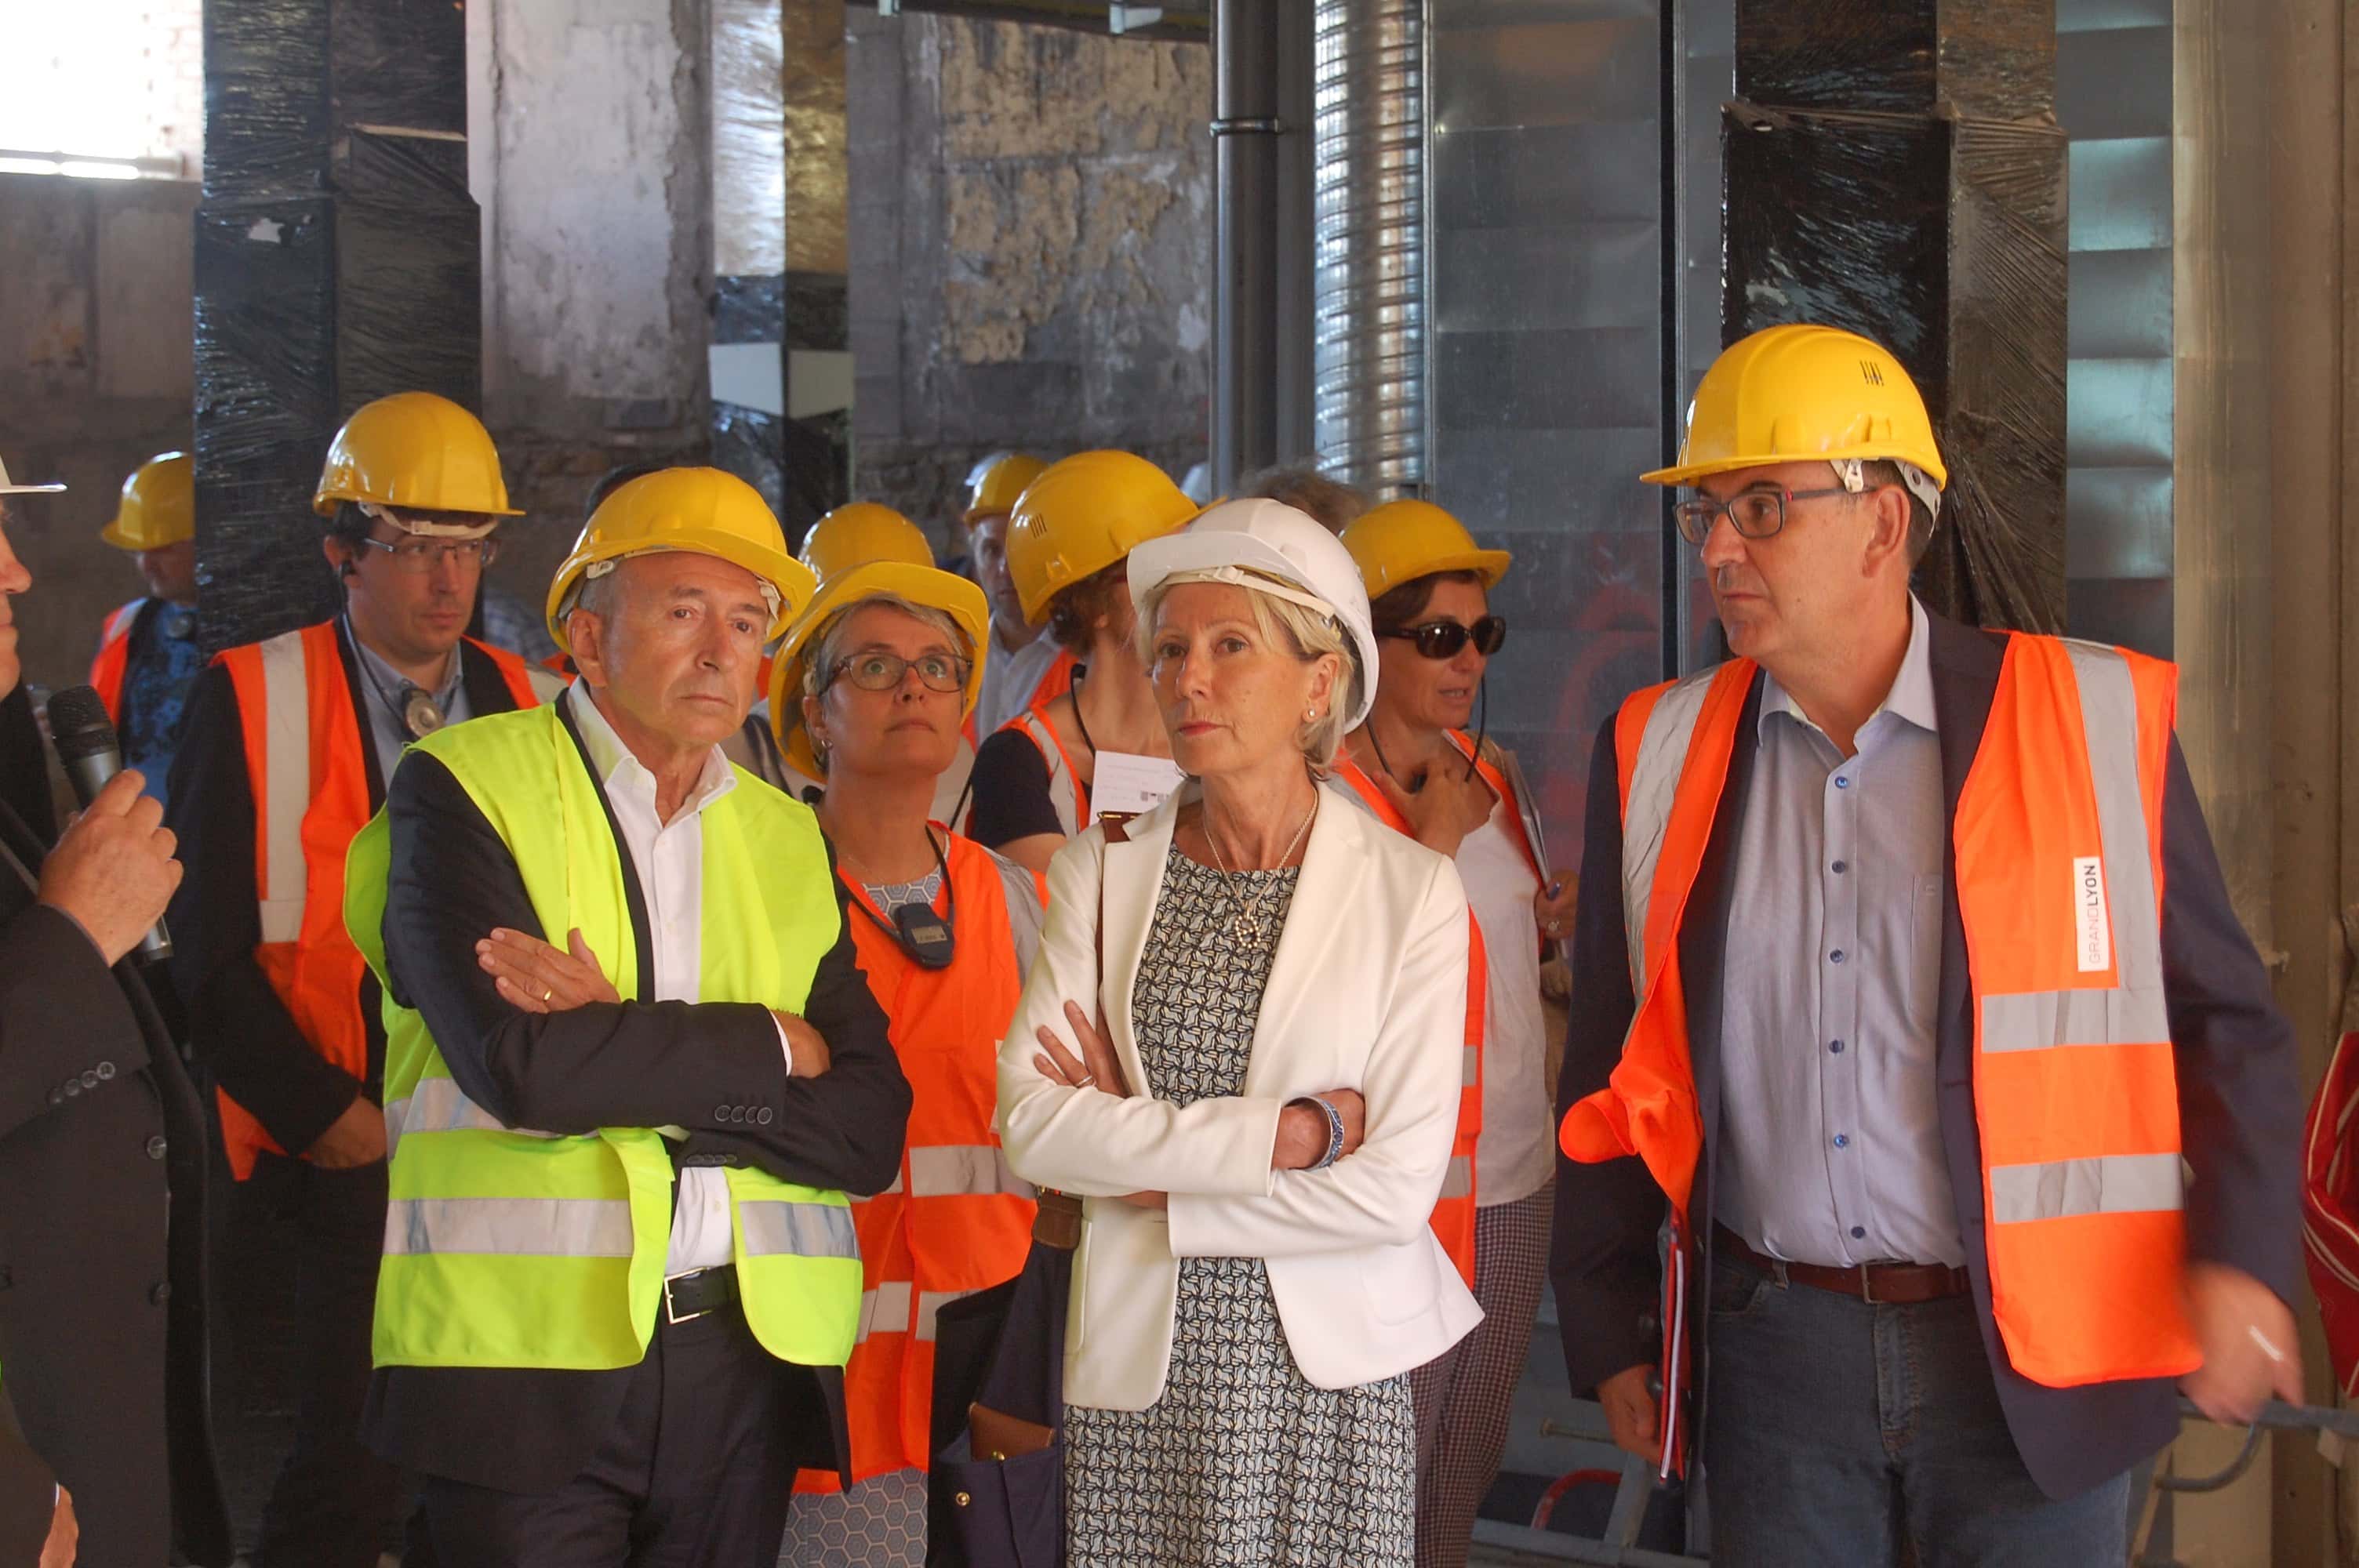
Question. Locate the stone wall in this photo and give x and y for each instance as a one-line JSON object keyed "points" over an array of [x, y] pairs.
{"points": [[95, 378], [1031, 247]]}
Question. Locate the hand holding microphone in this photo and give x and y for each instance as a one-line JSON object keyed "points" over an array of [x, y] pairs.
{"points": [[113, 871]]}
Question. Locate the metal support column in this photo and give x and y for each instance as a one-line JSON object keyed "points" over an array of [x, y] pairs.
{"points": [[1245, 238]]}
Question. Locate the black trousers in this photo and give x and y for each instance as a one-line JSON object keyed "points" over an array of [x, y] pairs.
{"points": [[696, 1472], [333, 1502]]}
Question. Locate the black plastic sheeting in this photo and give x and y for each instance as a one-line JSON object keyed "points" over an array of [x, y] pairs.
{"points": [[285, 77], [801, 466], [1966, 57], [1943, 239], [337, 261]]}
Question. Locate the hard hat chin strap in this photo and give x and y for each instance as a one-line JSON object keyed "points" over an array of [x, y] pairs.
{"points": [[1851, 474]]}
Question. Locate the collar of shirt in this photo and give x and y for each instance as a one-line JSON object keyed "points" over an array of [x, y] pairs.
{"points": [[391, 681], [628, 779], [1911, 698]]}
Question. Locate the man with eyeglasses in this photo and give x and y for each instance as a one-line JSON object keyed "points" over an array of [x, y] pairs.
{"points": [[288, 747], [1911, 995]]}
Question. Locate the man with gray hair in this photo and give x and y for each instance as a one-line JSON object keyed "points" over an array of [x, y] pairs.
{"points": [[632, 1072]]}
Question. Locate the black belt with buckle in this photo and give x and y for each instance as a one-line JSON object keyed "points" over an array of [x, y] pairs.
{"points": [[690, 1296]]}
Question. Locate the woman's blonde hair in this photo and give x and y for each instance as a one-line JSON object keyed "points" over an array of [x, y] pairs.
{"points": [[1309, 633]]}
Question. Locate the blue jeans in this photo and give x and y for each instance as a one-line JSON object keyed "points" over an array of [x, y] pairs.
{"points": [[1836, 1430]]}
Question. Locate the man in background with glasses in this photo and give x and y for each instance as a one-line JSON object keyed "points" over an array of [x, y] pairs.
{"points": [[1910, 988], [289, 744]]}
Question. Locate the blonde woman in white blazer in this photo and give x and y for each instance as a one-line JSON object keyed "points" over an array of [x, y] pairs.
{"points": [[1250, 1076]]}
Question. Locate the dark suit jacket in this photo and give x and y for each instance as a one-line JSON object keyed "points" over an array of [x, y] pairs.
{"points": [[2239, 1101], [242, 1034], [701, 1066], [102, 1326]]}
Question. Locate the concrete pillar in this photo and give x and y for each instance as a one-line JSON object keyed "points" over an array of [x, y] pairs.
{"points": [[336, 262], [590, 154], [1898, 170]]}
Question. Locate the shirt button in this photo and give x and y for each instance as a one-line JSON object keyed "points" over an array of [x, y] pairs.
{"points": [[1842, 783], [1840, 867], [1859, 1233], [160, 1294], [156, 1148], [106, 1071], [90, 1078], [1842, 1140], [1835, 1046], [1835, 957]]}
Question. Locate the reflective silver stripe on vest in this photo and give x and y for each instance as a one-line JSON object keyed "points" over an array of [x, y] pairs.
{"points": [[1469, 1066], [438, 1104], [2034, 1021], [2134, 1013], [884, 1310], [955, 1170], [929, 1306], [1064, 793], [1654, 782], [775, 1226], [1457, 1181], [512, 1227], [2107, 1183], [285, 785]]}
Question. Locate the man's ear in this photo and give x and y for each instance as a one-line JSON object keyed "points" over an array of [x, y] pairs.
{"points": [[340, 556], [1890, 536], [585, 637]]}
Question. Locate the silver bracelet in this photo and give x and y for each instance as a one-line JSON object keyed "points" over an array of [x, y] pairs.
{"points": [[1334, 1131]]}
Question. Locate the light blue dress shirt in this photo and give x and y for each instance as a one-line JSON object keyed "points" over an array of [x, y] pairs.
{"points": [[1830, 1138], [381, 689]]}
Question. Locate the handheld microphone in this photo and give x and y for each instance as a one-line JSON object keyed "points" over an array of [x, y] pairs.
{"points": [[86, 744]]}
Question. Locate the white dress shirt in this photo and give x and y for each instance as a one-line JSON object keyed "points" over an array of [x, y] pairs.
{"points": [[1010, 678], [669, 860], [1515, 1153]]}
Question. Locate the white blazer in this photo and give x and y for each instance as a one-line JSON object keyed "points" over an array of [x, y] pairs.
{"points": [[1367, 991]]}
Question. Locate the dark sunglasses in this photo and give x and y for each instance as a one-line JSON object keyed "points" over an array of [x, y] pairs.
{"points": [[1442, 639]]}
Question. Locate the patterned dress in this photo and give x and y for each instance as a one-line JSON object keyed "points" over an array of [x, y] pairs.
{"points": [[1241, 1462]]}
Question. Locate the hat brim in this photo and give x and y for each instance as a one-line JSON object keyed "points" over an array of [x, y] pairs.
{"points": [[1688, 473], [930, 587]]}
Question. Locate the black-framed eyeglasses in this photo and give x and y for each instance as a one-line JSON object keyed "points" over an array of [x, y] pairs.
{"points": [[418, 557], [1442, 639], [1754, 513], [883, 672]]}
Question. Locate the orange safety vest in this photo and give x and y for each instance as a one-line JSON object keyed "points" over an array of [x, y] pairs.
{"points": [[310, 782], [2058, 840], [1064, 779], [107, 670], [956, 1220], [1453, 1215]]}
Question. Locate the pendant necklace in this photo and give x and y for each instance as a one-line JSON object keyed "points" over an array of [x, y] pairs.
{"points": [[1245, 925]]}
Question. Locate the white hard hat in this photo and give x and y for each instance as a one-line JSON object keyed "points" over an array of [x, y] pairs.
{"points": [[10, 488], [1270, 547]]}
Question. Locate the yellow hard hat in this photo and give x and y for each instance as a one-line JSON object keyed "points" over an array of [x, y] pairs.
{"points": [[1802, 394], [859, 532], [703, 511], [413, 450], [1082, 515], [158, 505], [994, 483], [1404, 540], [927, 585]]}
